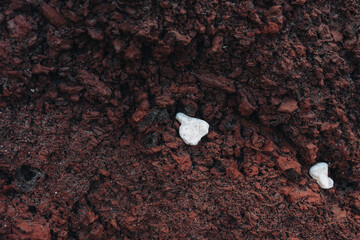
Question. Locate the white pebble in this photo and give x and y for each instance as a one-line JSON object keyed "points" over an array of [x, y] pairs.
{"points": [[320, 172], [191, 129]]}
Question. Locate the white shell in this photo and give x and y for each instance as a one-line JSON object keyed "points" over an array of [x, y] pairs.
{"points": [[191, 129], [320, 172]]}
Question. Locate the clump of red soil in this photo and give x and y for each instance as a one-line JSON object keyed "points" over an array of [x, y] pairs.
{"points": [[90, 149]]}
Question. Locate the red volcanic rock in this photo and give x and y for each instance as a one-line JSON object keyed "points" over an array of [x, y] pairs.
{"points": [[164, 4], [161, 52], [245, 107], [96, 34], [183, 40], [338, 37], [68, 89], [326, 127], [119, 46], [218, 82], [92, 80], [15, 4], [288, 106], [295, 195], [164, 101], [52, 15], [299, 2], [271, 28], [184, 161], [27, 229], [217, 43], [285, 163], [232, 171], [132, 53], [39, 69], [18, 27], [311, 152], [90, 148], [269, 146]]}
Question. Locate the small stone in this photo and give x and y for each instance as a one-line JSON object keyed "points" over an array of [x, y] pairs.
{"points": [[93, 80], [299, 2], [104, 172], [269, 146], [39, 69], [52, 15], [271, 28], [245, 107], [70, 90], [288, 106], [75, 98], [96, 34], [179, 38], [164, 101], [18, 26], [294, 195], [338, 37], [218, 82], [118, 45], [217, 43], [183, 161], [328, 127], [31, 230], [16, 4], [90, 115], [233, 171], [285, 163], [164, 4], [311, 152], [132, 53]]}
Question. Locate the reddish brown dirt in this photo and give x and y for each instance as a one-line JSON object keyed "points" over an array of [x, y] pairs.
{"points": [[90, 148]]}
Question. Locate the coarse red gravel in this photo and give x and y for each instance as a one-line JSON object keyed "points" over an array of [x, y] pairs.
{"points": [[89, 145]]}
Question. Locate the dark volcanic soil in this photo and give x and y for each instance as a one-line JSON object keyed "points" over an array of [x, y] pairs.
{"points": [[89, 145]]}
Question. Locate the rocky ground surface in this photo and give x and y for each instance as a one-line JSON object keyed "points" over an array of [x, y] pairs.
{"points": [[89, 145]]}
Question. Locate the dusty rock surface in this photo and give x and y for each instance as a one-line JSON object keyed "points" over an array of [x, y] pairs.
{"points": [[89, 145]]}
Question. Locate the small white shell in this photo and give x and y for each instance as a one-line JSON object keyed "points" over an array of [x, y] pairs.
{"points": [[191, 129], [320, 172]]}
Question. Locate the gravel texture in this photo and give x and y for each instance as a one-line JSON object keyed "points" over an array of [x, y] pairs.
{"points": [[89, 145]]}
